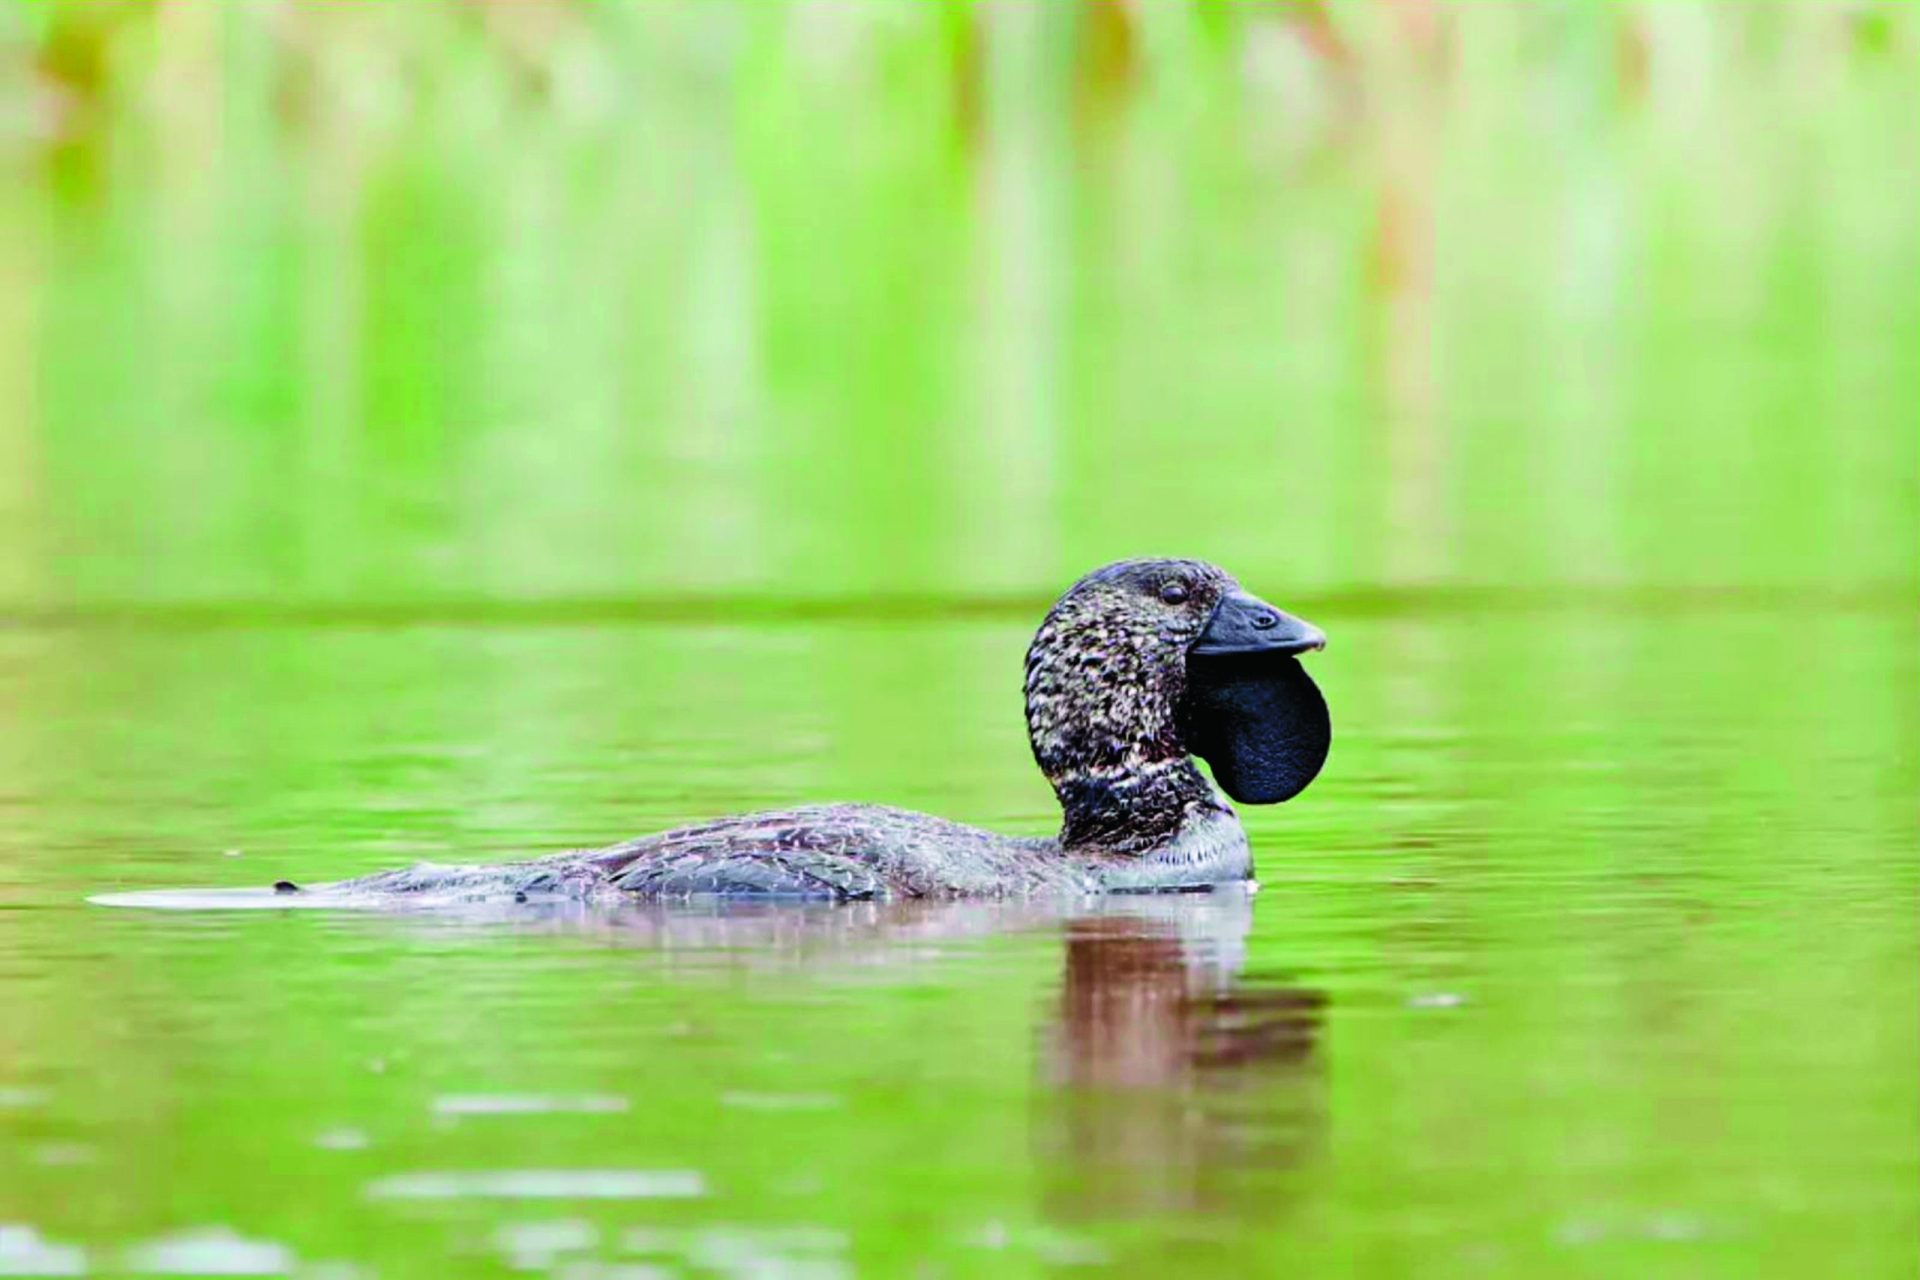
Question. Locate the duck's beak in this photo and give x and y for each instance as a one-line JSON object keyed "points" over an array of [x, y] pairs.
{"points": [[1243, 623], [1250, 711]]}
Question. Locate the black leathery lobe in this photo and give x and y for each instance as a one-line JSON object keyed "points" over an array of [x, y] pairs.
{"points": [[1259, 722]]}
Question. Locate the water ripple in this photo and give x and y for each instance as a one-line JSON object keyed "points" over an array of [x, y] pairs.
{"points": [[542, 1184]]}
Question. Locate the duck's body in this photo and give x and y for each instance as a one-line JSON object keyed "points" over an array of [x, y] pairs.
{"points": [[1112, 713], [841, 851]]}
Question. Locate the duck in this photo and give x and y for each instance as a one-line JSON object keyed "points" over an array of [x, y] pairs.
{"points": [[1138, 668]]}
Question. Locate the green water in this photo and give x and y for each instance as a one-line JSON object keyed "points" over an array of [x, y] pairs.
{"points": [[398, 461]]}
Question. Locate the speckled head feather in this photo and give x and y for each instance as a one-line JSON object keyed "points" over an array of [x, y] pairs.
{"points": [[1105, 675]]}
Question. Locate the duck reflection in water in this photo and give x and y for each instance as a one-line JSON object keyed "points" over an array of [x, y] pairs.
{"points": [[1172, 1078]]}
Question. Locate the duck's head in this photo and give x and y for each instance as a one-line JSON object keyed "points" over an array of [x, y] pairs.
{"points": [[1145, 662]]}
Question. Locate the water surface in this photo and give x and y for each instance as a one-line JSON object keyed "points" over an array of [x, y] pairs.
{"points": [[1593, 951]]}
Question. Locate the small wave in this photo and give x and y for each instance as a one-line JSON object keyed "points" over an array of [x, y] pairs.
{"points": [[741, 1101], [542, 1184], [25, 1252], [210, 1251], [527, 1104], [233, 900]]}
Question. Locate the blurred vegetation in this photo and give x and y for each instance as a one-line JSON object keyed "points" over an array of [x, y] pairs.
{"points": [[528, 300]]}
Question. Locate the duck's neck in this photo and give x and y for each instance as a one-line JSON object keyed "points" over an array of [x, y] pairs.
{"points": [[1101, 718], [1133, 807]]}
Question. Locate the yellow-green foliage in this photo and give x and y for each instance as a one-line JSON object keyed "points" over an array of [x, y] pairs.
{"points": [[544, 298]]}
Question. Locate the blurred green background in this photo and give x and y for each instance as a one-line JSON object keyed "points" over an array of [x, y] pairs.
{"points": [[463, 430], [544, 300]]}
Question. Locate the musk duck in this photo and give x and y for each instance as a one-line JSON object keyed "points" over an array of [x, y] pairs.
{"points": [[1139, 667]]}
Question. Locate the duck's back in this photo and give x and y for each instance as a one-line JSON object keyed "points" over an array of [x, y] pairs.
{"points": [[821, 851], [840, 850]]}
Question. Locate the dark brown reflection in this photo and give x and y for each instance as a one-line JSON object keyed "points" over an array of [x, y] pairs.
{"points": [[1175, 1085]]}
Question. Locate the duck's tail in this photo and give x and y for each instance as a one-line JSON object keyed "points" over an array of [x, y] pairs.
{"points": [[562, 876]]}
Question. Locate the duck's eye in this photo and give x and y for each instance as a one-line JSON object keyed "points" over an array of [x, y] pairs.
{"points": [[1174, 592]]}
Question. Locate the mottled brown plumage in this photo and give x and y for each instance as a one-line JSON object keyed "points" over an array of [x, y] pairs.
{"points": [[1106, 676]]}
